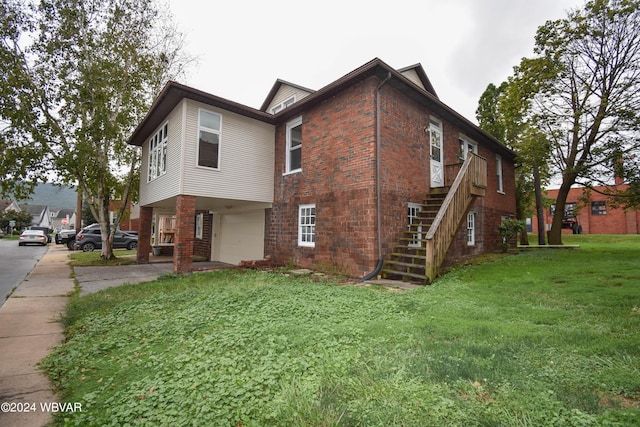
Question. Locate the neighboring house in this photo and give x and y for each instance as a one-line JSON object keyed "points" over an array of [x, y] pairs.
{"points": [[340, 178], [9, 205], [41, 215], [129, 219], [64, 219], [592, 212]]}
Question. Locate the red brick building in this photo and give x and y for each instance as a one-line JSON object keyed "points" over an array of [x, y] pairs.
{"points": [[593, 213], [336, 178]]}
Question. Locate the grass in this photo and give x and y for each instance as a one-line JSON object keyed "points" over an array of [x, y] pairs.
{"points": [[84, 259], [546, 337]]}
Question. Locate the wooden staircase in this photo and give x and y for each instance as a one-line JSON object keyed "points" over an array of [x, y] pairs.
{"points": [[424, 245]]}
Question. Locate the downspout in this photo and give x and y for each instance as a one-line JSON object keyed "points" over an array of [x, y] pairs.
{"points": [[375, 272]]}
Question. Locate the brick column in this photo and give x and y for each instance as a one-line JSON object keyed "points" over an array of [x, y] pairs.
{"points": [[183, 246], [144, 235]]}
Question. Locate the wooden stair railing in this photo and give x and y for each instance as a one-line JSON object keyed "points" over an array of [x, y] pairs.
{"points": [[470, 183], [412, 259]]}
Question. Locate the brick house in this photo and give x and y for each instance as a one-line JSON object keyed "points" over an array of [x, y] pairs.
{"points": [[593, 213], [372, 167]]}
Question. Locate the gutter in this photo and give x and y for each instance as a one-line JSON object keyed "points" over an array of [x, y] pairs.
{"points": [[375, 272]]}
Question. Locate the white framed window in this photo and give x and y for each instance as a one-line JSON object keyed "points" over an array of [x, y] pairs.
{"points": [[294, 145], [283, 105], [307, 225], [471, 229], [466, 146], [199, 225], [157, 162], [499, 174], [209, 132], [412, 218]]}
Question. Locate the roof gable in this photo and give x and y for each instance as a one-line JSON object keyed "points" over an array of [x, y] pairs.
{"points": [[411, 80], [417, 75], [283, 89]]}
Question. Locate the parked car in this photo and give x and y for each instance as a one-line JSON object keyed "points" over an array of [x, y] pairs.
{"points": [[37, 237], [68, 237], [90, 239], [45, 230]]}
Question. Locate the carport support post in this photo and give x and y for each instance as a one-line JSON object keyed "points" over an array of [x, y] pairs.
{"points": [[183, 246], [144, 235]]}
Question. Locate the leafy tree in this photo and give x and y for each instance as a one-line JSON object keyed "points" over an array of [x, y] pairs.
{"points": [[22, 219], [87, 216], [504, 112], [587, 104], [76, 77]]}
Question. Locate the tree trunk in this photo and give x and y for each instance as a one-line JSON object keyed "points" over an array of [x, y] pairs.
{"points": [[539, 206], [555, 235]]}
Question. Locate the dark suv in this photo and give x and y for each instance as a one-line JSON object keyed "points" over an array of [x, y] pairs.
{"points": [[89, 239]]}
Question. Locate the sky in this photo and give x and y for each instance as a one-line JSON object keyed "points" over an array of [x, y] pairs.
{"points": [[243, 46]]}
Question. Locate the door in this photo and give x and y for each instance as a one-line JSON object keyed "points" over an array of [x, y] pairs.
{"points": [[437, 167]]}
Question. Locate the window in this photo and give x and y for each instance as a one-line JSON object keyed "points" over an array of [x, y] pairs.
{"points": [[158, 154], [471, 229], [569, 209], [199, 225], [435, 133], [294, 145], [307, 225], [412, 218], [283, 105], [209, 129], [499, 174], [598, 208], [466, 147]]}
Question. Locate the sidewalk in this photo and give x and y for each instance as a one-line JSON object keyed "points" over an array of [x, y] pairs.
{"points": [[29, 327]]}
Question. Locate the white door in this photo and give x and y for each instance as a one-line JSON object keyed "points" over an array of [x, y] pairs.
{"points": [[241, 237], [437, 168]]}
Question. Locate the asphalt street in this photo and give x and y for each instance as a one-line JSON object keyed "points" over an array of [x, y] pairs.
{"points": [[15, 263]]}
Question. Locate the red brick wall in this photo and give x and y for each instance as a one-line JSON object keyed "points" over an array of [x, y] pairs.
{"points": [[339, 177], [202, 247], [616, 221], [185, 222], [144, 235]]}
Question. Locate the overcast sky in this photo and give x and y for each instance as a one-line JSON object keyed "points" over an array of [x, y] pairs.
{"points": [[243, 46]]}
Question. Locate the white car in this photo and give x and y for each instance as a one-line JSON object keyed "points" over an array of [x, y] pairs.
{"points": [[33, 237]]}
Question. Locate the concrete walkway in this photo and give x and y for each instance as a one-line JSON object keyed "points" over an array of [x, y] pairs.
{"points": [[29, 327]]}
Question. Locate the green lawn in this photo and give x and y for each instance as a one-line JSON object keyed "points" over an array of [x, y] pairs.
{"points": [[542, 338]]}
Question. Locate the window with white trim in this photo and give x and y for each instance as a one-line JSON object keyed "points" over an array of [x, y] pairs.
{"points": [[466, 146], [157, 164], [471, 229], [209, 131], [294, 145], [307, 225], [413, 211], [283, 105], [499, 174], [199, 225]]}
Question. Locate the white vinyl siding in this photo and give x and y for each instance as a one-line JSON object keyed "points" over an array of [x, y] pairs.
{"points": [[413, 77], [247, 159], [285, 93]]}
